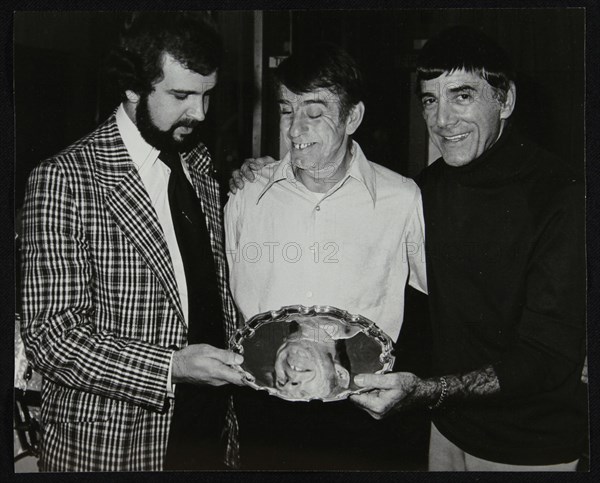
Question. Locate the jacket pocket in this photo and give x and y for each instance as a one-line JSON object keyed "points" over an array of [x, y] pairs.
{"points": [[66, 405]]}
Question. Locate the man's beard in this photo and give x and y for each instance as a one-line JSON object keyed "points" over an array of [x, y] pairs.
{"points": [[165, 140]]}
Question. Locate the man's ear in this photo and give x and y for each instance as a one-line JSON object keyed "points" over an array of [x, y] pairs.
{"points": [[132, 96], [509, 104], [343, 376], [355, 117]]}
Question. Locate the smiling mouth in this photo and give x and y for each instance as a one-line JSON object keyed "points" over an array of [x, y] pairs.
{"points": [[302, 145], [455, 139], [298, 363], [296, 368]]}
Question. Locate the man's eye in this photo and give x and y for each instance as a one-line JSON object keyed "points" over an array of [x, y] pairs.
{"points": [[181, 97], [285, 113], [464, 98], [314, 112], [427, 101]]}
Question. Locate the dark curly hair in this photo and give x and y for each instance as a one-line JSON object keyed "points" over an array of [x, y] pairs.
{"points": [[191, 38], [323, 66], [465, 48]]}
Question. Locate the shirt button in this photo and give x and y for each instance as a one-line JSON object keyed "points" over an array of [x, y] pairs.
{"points": [[309, 294], [318, 208]]}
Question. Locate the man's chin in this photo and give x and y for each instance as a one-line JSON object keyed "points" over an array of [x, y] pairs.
{"points": [[169, 141], [187, 142], [182, 144], [457, 161]]}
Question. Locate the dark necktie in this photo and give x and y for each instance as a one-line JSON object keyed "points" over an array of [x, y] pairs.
{"points": [[195, 438], [205, 317]]}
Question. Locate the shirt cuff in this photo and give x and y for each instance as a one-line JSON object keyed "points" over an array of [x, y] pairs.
{"points": [[170, 385]]}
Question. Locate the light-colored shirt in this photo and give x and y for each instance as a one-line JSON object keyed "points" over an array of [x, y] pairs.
{"points": [[155, 176], [355, 248]]}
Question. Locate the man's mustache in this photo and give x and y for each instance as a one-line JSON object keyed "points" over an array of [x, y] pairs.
{"points": [[192, 123]]}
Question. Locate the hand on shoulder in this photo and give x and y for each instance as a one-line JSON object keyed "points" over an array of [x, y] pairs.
{"points": [[247, 172]]}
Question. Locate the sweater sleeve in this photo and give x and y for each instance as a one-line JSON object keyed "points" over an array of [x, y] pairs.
{"points": [[550, 342]]}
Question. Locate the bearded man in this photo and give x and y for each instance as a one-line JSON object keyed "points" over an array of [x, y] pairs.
{"points": [[125, 290]]}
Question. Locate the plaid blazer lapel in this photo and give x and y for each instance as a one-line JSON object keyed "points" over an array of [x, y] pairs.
{"points": [[129, 205]]}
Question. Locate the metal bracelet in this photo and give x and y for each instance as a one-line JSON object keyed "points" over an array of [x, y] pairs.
{"points": [[443, 394]]}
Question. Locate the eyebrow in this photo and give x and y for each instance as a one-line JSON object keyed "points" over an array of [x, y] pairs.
{"points": [[462, 88], [304, 103], [186, 91]]}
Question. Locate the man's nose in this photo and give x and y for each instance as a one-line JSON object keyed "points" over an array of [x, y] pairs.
{"points": [[445, 115], [298, 125], [197, 110]]}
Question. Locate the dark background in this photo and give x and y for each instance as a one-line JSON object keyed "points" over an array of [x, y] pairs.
{"points": [[61, 91]]}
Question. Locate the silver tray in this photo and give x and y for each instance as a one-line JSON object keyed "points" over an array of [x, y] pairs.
{"points": [[303, 353]]}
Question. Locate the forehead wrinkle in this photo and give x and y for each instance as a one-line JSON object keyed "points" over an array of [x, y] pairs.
{"points": [[192, 83], [314, 101], [320, 95], [429, 87], [307, 102], [449, 88]]}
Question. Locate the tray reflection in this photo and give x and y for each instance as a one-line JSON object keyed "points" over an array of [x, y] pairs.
{"points": [[302, 353]]}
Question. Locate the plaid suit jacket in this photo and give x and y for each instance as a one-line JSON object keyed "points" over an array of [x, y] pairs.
{"points": [[101, 310]]}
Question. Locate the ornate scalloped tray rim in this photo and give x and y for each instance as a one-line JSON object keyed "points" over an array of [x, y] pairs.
{"points": [[366, 326]]}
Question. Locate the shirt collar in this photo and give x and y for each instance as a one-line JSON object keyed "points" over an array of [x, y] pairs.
{"points": [[140, 151], [360, 169]]}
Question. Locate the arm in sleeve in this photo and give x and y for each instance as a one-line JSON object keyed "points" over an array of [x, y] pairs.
{"points": [[232, 229], [59, 331], [550, 346], [415, 246]]}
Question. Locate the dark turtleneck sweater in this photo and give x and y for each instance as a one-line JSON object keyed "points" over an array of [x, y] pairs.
{"points": [[506, 278]]}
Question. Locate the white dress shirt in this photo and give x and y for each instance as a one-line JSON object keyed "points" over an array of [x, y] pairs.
{"points": [[155, 176], [354, 248]]}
